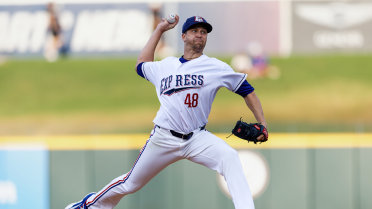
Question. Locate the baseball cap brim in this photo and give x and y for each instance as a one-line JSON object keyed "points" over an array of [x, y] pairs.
{"points": [[205, 25]]}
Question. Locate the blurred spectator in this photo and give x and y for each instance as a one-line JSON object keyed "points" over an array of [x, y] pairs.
{"points": [[255, 63], [3, 60], [54, 38]]}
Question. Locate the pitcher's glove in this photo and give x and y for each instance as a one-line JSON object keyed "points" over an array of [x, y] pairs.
{"points": [[250, 131]]}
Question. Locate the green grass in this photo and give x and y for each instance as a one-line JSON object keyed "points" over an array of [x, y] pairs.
{"points": [[37, 87], [330, 93]]}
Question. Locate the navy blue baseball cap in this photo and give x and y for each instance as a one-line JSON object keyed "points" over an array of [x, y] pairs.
{"points": [[196, 20]]}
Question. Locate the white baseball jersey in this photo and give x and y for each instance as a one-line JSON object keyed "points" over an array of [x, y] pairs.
{"points": [[186, 90]]}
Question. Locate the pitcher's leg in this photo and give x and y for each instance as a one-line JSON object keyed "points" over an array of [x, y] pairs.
{"points": [[151, 160], [216, 154]]}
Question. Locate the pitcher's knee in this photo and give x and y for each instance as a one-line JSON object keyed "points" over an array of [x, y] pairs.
{"points": [[132, 188], [231, 155]]}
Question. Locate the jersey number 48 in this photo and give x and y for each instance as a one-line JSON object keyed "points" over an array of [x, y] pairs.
{"points": [[192, 100]]}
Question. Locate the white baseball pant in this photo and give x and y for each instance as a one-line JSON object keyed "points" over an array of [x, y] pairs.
{"points": [[163, 149]]}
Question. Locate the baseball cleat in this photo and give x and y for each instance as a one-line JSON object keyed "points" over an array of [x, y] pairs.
{"points": [[81, 204]]}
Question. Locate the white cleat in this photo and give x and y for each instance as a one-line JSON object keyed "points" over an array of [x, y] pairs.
{"points": [[81, 204]]}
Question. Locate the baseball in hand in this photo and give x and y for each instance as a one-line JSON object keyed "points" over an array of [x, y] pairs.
{"points": [[171, 18]]}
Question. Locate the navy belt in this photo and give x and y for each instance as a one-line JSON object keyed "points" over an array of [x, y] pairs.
{"points": [[184, 136]]}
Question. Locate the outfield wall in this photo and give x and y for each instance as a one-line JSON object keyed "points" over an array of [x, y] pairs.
{"points": [[123, 27], [303, 171]]}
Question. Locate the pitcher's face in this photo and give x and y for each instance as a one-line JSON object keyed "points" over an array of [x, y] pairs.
{"points": [[195, 38]]}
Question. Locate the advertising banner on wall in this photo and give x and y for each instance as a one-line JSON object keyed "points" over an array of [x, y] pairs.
{"points": [[330, 26], [24, 179], [85, 28]]}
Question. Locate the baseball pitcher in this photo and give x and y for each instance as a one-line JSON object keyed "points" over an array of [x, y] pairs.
{"points": [[186, 87]]}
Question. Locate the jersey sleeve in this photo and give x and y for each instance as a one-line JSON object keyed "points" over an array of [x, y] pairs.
{"points": [[148, 70], [139, 70], [232, 80], [245, 89]]}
